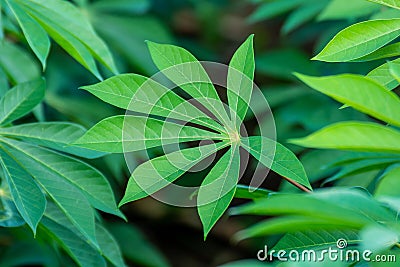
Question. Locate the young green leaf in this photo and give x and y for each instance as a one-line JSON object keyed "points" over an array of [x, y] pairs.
{"points": [[302, 14], [240, 80], [20, 100], [360, 39], [359, 92], [27, 195], [159, 172], [182, 68], [35, 35], [382, 74], [388, 184], [357, 136], [276, 157], [141, 94], [93, 185], [218, 188], [391, 50], [354, 9], [389, 3], [55, 135]]}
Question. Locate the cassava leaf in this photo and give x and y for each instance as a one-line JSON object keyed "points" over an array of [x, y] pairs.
{"points": [[276, 157], [157, 173], [129, 133], [218, 188], [240, 80], [34, 33], [20, 100], [27, 195]]}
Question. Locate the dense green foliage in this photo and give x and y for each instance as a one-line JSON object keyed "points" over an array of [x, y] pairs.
{"points": [[63, 151]]}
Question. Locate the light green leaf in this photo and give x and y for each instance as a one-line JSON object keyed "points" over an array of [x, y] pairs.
{"points": [[377, 238], [129, 133], [66, 234], [240, 80], [390, 3], [276, 157], [27, 195], [391, 50], [359, 92], [93, 185], [20, 100], [126, 6], [354, 9], [302, 14], [360, 39], [357, 136], [159, 172], [287, 224], [64, 15], [17, 63], [315, 240], [382, 74], [248, 192], [141, 94], [274, 8], [55, 135], [191, 77], [109, 246], [388, 184], [394, 70], [36, 36], [218, 188]]}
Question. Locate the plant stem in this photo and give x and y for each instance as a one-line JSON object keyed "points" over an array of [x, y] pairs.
{"points": [[296, 184]]}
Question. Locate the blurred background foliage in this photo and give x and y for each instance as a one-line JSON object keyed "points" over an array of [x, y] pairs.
{"points": [[287, 34]]}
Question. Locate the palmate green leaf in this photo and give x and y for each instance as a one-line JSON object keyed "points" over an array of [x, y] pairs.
{"points": [[25, 192], [315, 239], [240, 80], [93, 185], [388, 184], [55, 135], [17, 63], [281, 160], [141, 94], [67, 235], [20, 100], [382, 74], [356, 136], [129, 133], [71, 29], [34, 33], [359, 92], [67, 197], [218, 188], [159, 172], [390, 3], [191, 77], [360, 39]]}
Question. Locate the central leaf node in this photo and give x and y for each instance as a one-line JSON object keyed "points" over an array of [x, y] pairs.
{"points": [[234, 137]]}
